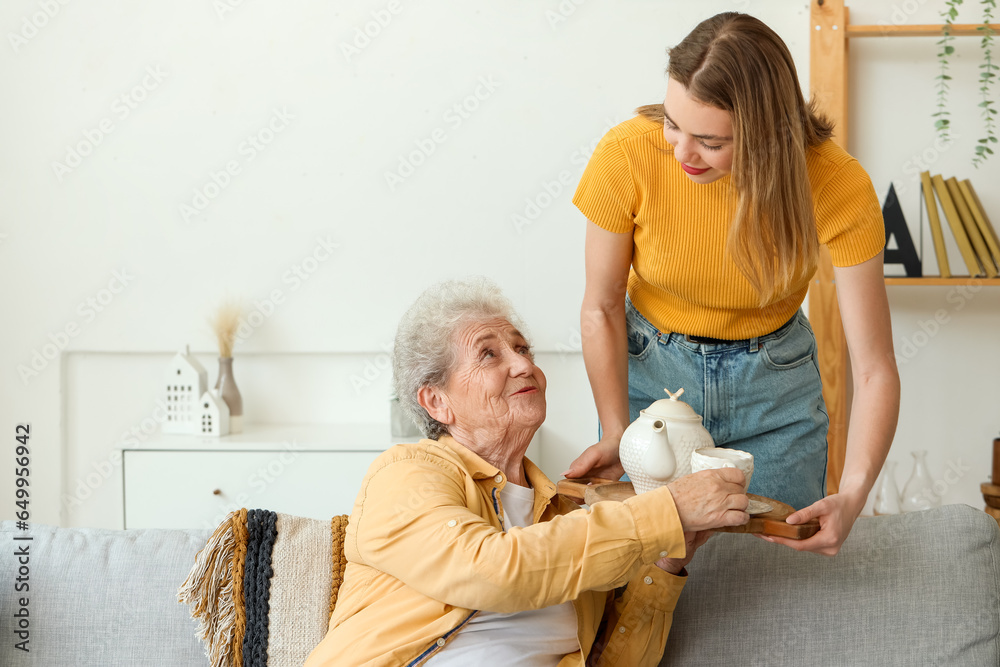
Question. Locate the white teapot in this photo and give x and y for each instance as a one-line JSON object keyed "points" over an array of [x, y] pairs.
{"points": [[656, 448]]}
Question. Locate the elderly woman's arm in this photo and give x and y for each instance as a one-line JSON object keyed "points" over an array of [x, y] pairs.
{"points": [[415, 524]]}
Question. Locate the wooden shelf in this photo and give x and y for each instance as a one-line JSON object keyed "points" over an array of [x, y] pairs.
{"points": [[830, 33], [936, 280], [957, 30]]}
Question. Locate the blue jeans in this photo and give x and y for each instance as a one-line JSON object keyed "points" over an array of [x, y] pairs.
{"points": [[763, 396]]}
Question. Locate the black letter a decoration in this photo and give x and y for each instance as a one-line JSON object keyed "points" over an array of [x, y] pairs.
{"points": [[895, 226]]}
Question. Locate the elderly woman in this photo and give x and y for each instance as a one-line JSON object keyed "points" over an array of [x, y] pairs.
{"points": [[459, 550]]}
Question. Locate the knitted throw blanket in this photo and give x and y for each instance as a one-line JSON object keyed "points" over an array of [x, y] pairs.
{"points": [[264, 586]]}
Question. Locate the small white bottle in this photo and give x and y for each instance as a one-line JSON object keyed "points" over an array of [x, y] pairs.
{"points": [[886, 491]]}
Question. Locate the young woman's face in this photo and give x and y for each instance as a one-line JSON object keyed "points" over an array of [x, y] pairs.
{"points": [[702, 136]]}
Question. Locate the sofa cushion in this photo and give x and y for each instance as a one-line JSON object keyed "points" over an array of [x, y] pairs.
{"points": [[911, 589], [264, 586], [100, 597]]}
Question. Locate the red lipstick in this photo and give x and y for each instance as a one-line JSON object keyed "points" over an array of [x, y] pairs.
{"points": [[692, 170]]}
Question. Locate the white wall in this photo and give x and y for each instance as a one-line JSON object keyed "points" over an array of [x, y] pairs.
{"points": [[550, 78]]}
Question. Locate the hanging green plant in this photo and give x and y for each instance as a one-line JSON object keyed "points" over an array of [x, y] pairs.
{"points": [[986, 77], [943, 122]]}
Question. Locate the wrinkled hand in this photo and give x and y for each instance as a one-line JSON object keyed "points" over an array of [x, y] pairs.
{"points": [[600, 460], [710, 499], [836, 515], [691, 542]]}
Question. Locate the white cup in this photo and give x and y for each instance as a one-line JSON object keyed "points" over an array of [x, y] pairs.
{"points": [[712, 458]]}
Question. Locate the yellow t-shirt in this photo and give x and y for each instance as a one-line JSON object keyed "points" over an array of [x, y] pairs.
{"points": [[682, 279]]}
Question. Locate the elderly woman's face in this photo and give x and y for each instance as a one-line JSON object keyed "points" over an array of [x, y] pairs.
{"points": [[495, 384]]}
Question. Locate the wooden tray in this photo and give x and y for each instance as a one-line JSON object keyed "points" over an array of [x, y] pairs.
{"points": [[576, 489], [769, 523]]}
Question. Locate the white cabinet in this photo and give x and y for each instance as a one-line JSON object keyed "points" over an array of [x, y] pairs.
{"points": [[193, 482]]}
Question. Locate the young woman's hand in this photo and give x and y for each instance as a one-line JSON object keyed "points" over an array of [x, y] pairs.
{"points": [[864, 310], [600, 460], [836, 515]]}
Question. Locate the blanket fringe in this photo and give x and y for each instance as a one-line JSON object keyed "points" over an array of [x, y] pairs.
{"points": [[214, 591], [338, 527]]}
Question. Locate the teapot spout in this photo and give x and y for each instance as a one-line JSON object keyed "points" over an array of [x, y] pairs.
{"points": [[658, 461]]}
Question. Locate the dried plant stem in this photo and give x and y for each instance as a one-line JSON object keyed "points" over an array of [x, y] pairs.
{"points": [[224, 324]]}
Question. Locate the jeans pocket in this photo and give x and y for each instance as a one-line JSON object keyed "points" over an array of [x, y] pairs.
{"points": [[795, 348], [639, 338]]}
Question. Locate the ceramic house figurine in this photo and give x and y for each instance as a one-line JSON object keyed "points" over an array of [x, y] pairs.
{"points": [[214, 415], [185, 382]]}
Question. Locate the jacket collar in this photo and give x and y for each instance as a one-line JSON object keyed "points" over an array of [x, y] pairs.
{"points": [[479, 468]]}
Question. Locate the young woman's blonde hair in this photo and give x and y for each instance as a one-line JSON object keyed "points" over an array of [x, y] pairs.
{"points": [[736, 63]]}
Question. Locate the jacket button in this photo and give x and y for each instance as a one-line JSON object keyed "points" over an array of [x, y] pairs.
{"points": [[648, 580], [498, 479], [440, 641], [452, 523], [621, 629], [663, 554]]}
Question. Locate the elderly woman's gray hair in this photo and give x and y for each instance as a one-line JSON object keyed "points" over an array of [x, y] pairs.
{"points": [[425, 346]]}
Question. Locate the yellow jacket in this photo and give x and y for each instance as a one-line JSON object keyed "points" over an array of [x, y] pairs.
{"points": [[426, 549]]}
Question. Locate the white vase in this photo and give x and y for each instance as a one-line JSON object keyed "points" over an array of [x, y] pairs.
{"points": [[918, 493], [886, 491]]}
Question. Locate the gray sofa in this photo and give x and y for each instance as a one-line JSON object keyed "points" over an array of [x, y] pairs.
{"points": [[915, 589]]}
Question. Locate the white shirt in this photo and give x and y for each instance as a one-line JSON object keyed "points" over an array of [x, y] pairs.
{"points": [[538, 637]]}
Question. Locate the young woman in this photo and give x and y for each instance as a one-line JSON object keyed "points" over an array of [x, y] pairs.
{"points": [[705, 216]]}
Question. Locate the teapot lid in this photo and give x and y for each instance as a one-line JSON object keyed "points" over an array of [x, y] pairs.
{"points": [[672, 408]]}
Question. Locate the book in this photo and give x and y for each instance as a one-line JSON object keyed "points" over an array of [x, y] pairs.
{"points": [[957, 229], [971, 229], [935, 222], [979, 213]]}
